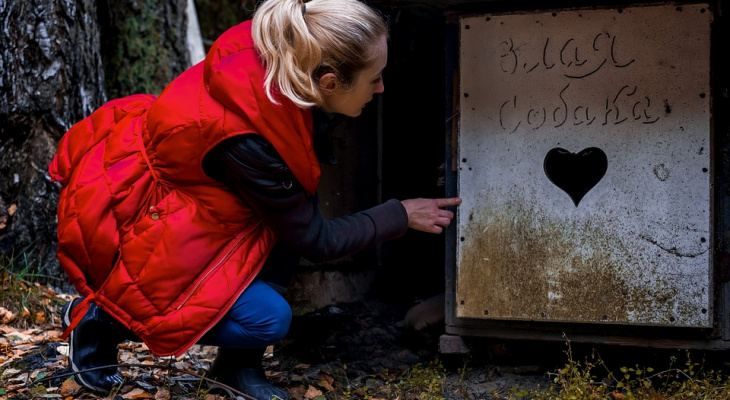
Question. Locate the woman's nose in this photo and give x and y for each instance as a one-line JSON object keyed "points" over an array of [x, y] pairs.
{"points": [[380, 87]]}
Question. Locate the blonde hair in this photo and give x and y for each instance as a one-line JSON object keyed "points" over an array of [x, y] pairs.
{"points": [[300, 42]]}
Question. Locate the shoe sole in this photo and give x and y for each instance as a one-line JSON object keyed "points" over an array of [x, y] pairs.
{"points": [[67, 321]]}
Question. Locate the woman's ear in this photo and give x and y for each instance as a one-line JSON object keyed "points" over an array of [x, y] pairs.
{"points": [[329, 83]]}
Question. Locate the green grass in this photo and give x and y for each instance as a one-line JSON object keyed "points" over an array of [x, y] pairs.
{"points": [[593, 379], [590, 379], [422, 381], [22, 295]]}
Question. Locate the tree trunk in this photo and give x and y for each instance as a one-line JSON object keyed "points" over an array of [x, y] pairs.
{"points": [[216, 16], [143, 44], [52, 76]]}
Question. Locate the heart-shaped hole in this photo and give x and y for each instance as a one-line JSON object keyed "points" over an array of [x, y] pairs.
{"points": [[575, 173]]}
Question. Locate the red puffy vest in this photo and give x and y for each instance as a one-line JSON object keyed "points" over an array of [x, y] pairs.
{"points": [[142, 231]]}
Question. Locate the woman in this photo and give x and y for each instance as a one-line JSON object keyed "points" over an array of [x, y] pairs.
{"points": [[182, 217]]}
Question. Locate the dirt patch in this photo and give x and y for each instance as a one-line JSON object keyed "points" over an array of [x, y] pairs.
{"points": [[368, 344]]}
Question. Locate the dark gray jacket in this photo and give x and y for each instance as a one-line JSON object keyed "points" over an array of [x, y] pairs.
{"points": [[251, 167]]}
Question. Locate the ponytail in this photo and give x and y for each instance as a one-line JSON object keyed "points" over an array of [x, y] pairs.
{"points": [[299, 42]]}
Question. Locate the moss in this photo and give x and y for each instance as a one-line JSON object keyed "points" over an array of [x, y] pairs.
{"points": [[215, 16], [143, 45]]}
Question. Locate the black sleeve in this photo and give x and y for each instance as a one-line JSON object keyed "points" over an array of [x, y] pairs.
{"points": [[251, 167]]}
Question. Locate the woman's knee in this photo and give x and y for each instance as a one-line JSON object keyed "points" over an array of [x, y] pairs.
{"points": [[262, 313], [280, 320], [266, 314]]}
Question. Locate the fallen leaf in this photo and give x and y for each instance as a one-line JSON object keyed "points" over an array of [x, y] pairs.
{"points": [[33, 331], [326, 377], [26, 313], [326, 385], [137, 393], [312, 392], [6, 316], [40, 317], [54, 335], [162, 394], [70, 387], [19, 338], [326, 380], [142, 347], [10, 372], [297, 392]]}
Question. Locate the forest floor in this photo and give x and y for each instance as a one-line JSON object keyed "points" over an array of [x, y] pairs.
{"points": [[350, 351]]}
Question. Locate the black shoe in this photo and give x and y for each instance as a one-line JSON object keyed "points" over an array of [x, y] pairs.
{"points": [[241, 369], [93, 343]]}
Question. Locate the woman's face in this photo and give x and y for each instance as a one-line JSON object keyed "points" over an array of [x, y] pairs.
{"points": [[351, 101]]}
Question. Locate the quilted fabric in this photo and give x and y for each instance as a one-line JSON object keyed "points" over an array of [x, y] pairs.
{"points": [[142, 231]]}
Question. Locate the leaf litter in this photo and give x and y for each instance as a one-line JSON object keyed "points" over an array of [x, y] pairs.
{"points": [[350, 351]]}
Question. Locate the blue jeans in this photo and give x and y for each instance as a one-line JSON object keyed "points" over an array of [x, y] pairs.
{"points": [[259, 318]]}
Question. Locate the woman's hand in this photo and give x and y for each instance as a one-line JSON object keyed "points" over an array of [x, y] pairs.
{"points": [[428, 215]]}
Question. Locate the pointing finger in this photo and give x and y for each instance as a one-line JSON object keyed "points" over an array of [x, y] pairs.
{"points": [[452, 201]]}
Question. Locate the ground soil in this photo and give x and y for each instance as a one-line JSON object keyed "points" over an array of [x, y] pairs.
{"points": [[359, 350], [350, 351], [370, 342]]}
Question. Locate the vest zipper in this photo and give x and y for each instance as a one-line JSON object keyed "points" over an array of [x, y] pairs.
{"points": [[218, 264]]}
